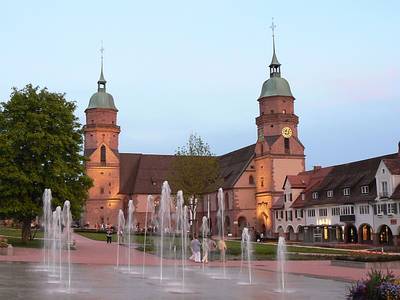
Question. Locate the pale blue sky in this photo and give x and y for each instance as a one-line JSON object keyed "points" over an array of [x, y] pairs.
{"points": [[176, 67]]}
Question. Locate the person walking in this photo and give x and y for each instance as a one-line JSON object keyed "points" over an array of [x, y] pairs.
{"points": [[222, 249], [109, 236], [195, 245]]}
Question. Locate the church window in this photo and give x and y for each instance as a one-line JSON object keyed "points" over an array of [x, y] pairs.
{"points": [[101, 190], [262, 181], [226, 201], [251, 179], [287, 145], [103, 154]]}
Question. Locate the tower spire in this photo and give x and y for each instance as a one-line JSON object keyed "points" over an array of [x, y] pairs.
{"points": [[275, 66], [101, 83]]}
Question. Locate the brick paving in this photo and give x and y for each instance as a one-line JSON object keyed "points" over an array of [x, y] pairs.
{"points": [[98, 252]]}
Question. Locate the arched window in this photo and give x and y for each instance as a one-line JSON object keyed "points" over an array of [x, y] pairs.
{"points": [[251, 179], [103, 154]]}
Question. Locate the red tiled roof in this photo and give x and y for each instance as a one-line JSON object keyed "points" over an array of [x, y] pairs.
{"points": [[393, 165], [279, 203], [396, 193], [145, 173], [351, 175]]}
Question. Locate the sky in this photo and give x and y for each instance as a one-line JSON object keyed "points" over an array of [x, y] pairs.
{"points": [[181, 67]]}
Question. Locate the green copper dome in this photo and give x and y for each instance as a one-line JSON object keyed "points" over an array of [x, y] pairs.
{"points": [[101, 99], [276, 86]]}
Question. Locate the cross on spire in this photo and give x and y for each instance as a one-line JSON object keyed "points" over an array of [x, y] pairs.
{"points": [[102, 51], [275, 69], [102, 82], [273, 26]]}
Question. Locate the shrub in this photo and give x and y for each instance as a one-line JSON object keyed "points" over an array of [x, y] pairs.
{"points": [[377, 286]]}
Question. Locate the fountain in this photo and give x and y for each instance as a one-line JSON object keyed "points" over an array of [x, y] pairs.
{"points": [[204, 234], [129, 230], [281, 262], [246, 253], [221, 229], [149, 207], [164, 216], [120, 232], [67, 220], [181, 228], [47, 222]]}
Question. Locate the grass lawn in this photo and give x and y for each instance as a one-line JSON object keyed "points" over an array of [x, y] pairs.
{"points": [[14, 238], [261, 251], [101, 236]]}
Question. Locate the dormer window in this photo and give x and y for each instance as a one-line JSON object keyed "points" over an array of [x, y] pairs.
{"points": [[315, 195], [365, 189], [329, 194], [346, 191], [383, 171]]}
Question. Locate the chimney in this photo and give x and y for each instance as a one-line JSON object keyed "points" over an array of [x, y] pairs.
{"points": [[398, 150], [316, 168]]}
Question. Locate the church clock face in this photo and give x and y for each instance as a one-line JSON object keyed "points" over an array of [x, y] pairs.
{"points": [[286, 132]]}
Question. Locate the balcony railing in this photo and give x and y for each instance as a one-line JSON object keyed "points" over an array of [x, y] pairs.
{"points": [[384, 194]]}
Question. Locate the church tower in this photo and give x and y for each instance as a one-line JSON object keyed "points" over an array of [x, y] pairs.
{"points": [[279, 152], [101, 148]]}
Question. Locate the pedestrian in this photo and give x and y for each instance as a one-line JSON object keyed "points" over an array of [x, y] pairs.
{"points": [[222, 249], [109, 236], [195, 245]]}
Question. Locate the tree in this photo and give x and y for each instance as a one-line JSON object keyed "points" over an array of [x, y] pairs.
{"points": [[195, 169], [40, 147]]}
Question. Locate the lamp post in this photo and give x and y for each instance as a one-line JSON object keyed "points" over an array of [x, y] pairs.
{"points": [[192, 214]]}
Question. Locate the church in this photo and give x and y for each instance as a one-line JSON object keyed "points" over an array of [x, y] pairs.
{"points": [[252, 176]]}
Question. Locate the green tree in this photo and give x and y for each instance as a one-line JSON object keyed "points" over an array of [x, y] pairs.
{"points": [[195, 169], [40, 147]]}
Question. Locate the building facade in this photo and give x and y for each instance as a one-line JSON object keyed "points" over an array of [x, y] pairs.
{"points": [[358, 202]]}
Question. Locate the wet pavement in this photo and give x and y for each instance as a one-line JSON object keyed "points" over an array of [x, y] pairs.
{"points": [[20, 280]]}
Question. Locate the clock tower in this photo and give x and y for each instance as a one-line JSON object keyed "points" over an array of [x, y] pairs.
{"points": [[278, 151]]}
